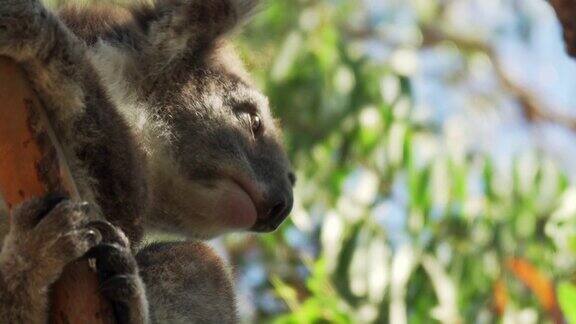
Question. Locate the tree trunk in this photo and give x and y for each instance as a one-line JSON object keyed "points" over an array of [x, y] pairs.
{"points": [[31, 165]]}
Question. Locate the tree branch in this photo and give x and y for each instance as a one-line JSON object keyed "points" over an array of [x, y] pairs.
{"points": [[533, 109]]}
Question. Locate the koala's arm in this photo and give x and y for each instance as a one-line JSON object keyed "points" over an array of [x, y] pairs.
{"points": [[98, 146], [186, 282]]}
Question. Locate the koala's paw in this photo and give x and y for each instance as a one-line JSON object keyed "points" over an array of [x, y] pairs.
{"points": [[120, 281], [21, 24], [45, 235]]}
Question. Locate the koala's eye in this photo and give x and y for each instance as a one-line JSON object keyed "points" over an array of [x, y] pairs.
{"points": [[248, 113], [256, 124]]}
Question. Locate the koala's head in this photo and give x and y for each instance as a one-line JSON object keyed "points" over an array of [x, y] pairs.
{"points": [[222, 166]]}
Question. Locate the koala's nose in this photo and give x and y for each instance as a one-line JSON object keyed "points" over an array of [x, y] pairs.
{"points": [[278, 214], [281, 206]]}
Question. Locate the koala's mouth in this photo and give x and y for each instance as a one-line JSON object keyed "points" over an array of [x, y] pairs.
{"points": [[239, 205]]}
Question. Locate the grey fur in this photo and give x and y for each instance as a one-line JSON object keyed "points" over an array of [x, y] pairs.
{"points": [[159, 121]]}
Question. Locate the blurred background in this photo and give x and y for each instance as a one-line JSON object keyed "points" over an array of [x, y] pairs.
{"points": [[435, 144], [436, 154]]}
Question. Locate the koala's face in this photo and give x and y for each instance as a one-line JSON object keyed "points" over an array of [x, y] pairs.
{"points": [[233, 172]]}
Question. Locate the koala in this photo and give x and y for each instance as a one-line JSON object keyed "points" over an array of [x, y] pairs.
{"points": [[163, 130]]}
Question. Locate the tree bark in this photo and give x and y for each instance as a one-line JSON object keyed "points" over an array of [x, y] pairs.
{"points": [[31, 165]]}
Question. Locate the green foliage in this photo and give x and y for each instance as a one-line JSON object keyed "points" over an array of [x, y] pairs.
{"points": [[567, 298]]}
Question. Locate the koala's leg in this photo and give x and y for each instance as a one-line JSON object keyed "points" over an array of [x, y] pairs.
{"points": [[45, 235], [119, 277], [186, 282]]}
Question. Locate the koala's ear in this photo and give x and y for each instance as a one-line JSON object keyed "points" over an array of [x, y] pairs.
{"points": [[244, 11], [177, 29]]}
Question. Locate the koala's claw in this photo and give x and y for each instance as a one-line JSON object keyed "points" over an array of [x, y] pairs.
{"points": [[110, 233]]}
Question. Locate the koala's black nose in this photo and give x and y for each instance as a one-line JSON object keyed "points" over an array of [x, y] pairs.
{"points": [[277, 215], [281, 208]]}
